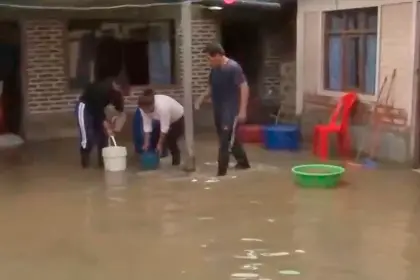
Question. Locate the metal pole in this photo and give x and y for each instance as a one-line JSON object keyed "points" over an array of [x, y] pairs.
{"points": [[187, 84]]}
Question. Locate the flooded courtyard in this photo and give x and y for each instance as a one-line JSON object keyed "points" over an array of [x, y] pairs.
{"points": [[60, 222]]}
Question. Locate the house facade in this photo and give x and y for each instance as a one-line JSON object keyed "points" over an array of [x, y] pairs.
{"points": [[55, 70], [351, 45], [58, 48]]}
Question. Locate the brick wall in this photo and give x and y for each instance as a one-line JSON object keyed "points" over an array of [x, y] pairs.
{"points": [[47, 80], [46, 73], [47, 83], [272, 61], [47, 88], [203, 32], [50, 103], [279, 56]]}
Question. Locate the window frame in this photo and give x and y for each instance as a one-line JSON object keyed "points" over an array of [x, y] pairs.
{"points": [[94, 25], [346, 33]]}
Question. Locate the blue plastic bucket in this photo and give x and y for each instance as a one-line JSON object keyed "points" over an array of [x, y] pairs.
{"points": [[149, 161], [281, 137]]}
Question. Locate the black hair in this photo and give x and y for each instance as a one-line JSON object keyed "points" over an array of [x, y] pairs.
{"points": [[214, 49], [147, 98], [148, 92]]}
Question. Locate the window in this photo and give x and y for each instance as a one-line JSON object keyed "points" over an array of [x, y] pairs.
{"points": [[350, 50], [142, 53]]}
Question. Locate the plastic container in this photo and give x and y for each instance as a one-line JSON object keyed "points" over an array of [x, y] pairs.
{"points": [[149, 161], [318, 175], [281, 137], [250, 133], [115, 157]]}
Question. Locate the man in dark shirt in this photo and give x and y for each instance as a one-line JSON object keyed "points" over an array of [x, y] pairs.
{"points": [[91, 118], [229, 92]]}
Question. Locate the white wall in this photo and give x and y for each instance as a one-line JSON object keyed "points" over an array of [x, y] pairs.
{"points": [[329, 5], [396, 47]]}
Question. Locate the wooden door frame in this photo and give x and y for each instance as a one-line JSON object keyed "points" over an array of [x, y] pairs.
{"points": [[415, 114]]}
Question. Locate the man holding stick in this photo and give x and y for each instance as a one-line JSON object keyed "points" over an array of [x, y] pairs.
{"points": [[229, 93]]}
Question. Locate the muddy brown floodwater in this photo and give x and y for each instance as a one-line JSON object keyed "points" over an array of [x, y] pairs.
{"points": [[63, 223]]}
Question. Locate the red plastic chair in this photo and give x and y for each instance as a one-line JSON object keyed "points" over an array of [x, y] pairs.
{"points": [[338, 124]]}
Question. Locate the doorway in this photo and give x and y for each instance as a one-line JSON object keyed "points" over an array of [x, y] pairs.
{"points": [[241, 41], [11, 100], [415, 162]]}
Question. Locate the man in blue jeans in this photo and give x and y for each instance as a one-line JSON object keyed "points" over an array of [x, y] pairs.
{"points": [[229, 93]]}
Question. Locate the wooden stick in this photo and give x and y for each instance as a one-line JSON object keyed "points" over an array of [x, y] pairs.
{"points": [[389, 92], [378, 123], [371, 119], [233, 135]]}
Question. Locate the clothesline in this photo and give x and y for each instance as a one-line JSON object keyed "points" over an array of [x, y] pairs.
{"points": [[91, 8], [270, 4]]}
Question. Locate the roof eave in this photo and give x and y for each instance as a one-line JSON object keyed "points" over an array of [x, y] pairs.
{"points": [[271, 5]]}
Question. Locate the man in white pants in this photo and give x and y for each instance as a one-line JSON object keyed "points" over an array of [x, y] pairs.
{"points": [[170, 114]]}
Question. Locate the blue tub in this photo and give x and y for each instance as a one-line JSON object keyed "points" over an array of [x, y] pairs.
{"points": [[149, 161], [138, 134], [281, 137]]}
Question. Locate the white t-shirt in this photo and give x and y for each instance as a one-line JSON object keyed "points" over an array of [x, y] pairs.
{"points": [[167, 111]]}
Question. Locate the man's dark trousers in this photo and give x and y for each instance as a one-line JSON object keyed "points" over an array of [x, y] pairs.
{"points": [[225, 130]]}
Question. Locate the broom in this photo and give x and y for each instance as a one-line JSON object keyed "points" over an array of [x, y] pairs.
{"points": [[370, 124], [369, 161]]}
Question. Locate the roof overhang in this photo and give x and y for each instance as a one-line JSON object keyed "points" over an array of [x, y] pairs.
{"points": [[63, 4], [12, 8], [267, 4], [257, 4]]}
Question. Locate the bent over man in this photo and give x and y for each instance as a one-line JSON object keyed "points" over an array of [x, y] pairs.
{"points": [[170, 114], [94, 129]]}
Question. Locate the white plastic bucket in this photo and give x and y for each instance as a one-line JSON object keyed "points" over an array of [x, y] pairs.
{"points": [[115, 157]]}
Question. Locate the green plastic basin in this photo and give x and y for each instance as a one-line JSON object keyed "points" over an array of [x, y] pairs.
{"points": [[318, 175]]}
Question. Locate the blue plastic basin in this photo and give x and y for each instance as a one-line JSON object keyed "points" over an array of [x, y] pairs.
{"points": [[149, 161], [281, 137]]}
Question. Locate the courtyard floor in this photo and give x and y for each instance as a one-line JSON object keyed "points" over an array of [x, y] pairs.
{"points": [[60, 222]]}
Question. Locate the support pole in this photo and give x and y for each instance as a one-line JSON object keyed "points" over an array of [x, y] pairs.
{"points": [[187, 84]]}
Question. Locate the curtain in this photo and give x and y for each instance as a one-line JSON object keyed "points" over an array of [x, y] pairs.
{"points": [[86, 54], [109, 56], [352, 62], [82, 53], [334, 63], [159, 50], [74, 48], [370, 64], [137, 61]]}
